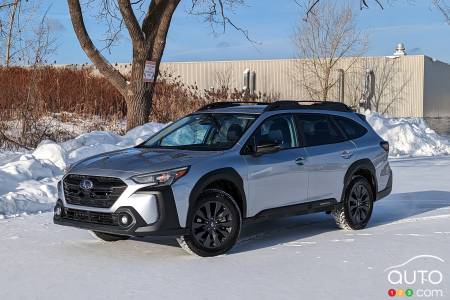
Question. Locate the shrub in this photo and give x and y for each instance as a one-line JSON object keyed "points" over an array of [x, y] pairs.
{"points": [[33, 101]]}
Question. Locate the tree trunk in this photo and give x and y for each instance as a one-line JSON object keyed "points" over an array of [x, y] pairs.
{"points": [[148, 44], [139, 93], [139, 104], [326, 84]]}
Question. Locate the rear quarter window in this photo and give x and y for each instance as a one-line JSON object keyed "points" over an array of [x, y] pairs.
{"points": [[352, 129]]}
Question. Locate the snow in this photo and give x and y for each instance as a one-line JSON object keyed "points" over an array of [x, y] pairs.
{"points": [[409, 137], [300, 257], [28, 179]]}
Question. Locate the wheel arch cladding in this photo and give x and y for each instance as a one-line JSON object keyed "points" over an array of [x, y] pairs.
{"points": [[365, 168], [226, 179]]}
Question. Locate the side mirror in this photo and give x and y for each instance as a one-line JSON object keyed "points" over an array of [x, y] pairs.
{"points": [[267, 147]]}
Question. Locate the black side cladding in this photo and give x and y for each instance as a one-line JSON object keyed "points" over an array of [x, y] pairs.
{"points": [[228, 174]]}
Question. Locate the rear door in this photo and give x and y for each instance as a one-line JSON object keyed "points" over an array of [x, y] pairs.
{"points": [[329, 155], [277, 179]]}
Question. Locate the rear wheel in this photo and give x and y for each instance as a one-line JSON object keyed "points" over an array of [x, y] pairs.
{"points": [[214, 222], [108, 237], [356, 209]]}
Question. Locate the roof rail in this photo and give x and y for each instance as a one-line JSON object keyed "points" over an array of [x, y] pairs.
{"points": [[225, 104], [320, 105]]}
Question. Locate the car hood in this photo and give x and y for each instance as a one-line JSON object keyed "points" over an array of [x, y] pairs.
{"points": [[132, 161]]}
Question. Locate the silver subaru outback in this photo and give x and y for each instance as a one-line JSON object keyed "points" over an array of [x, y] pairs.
{"points": [[200, 178]]}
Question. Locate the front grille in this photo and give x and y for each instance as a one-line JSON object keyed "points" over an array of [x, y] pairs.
{"points": [[103, 194], [91, 217]]}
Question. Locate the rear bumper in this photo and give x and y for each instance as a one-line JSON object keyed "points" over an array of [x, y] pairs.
{"points": [[166, 223], [387, 190]]}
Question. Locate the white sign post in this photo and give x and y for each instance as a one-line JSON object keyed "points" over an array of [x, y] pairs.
{"points": [[149, 71]]}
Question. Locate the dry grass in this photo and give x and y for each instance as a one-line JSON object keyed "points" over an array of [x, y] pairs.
{"points": [[30, 98], [59, 89]]}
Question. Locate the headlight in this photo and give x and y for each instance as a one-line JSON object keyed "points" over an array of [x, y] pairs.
{"points": [[161, 178]]}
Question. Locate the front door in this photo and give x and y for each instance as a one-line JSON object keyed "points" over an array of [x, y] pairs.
{"points": [[277, 179]]}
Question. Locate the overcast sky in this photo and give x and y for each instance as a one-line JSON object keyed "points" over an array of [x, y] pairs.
{"points": [[271, 23]]}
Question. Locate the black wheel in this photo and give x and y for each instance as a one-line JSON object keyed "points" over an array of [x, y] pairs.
{"points": [[355, 211], [108, 237], [214, 222]]}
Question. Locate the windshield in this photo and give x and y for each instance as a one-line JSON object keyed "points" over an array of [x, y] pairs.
{"points": [[205, 132]]}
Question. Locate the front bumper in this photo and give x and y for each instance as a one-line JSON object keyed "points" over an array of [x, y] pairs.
{"points": [[160, 219]]}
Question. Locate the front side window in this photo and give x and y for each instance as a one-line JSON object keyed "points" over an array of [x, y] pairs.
{"points": [[318, 129], [277, 130], [202, 132]]}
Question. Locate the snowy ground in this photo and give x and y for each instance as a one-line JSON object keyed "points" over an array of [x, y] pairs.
{"points": [[303, 257]]}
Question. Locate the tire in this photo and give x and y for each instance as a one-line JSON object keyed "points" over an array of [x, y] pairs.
{"points": [[214, 224], [108, 237], [356, 208]]}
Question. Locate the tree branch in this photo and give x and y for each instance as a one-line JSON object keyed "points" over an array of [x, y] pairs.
{"points": [[163, 28], [132, 23], [105, 68], [444, 8]]}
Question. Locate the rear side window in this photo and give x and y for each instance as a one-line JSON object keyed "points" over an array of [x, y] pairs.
{"points": [[318, 129], [352, 129]]}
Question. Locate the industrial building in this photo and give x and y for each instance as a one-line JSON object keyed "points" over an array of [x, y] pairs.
{"points": [[405, 85]]}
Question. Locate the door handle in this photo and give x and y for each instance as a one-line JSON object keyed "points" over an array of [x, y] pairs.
{"points": [[346, 154], [300, 161]]}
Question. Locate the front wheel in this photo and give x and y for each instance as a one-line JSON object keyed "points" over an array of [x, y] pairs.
{"points": [[356, 208], [214, 222]]}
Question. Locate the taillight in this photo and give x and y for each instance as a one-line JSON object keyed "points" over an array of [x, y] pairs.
{"points": [[385, 146]]}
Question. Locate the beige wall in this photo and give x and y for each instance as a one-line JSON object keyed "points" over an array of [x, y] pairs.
{"points": [[437, 89], [282, 77], [425, 92]]}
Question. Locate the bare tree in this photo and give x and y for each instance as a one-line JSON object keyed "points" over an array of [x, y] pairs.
{"points": [[442, 5], [9, 29], [43, 43], [323, 40], [390, 83], [22, 28], [147, 25]]}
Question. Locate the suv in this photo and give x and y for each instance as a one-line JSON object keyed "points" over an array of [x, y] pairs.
{"points": [[204, 175]]}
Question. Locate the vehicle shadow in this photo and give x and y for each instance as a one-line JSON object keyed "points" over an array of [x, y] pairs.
{"points": [[270, 233], [400, 206]]}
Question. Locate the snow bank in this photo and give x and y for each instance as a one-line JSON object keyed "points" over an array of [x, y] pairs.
{"points": [[409, 137], [28, 180]]}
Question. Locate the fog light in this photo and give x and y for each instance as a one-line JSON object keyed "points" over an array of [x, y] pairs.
{"points": [[125, 219], [58, 210]]}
